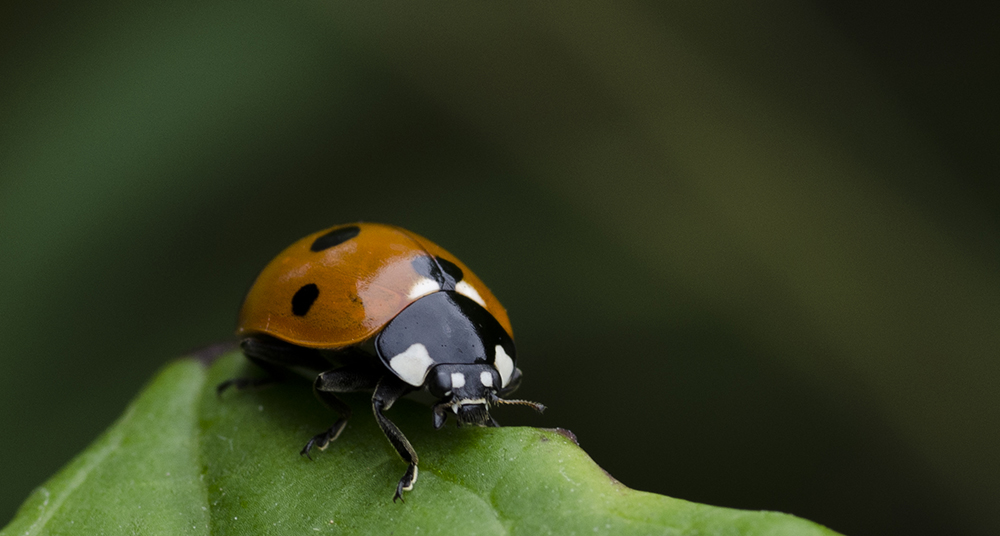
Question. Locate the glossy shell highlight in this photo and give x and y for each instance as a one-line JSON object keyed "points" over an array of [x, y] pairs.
{"points": [[360, 285]]}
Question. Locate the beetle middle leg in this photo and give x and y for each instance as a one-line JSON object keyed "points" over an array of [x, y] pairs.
{"points": [[342, 380], [388, 391]]}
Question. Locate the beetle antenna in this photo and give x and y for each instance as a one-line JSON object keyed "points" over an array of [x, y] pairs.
{"points": [[513, 402]]}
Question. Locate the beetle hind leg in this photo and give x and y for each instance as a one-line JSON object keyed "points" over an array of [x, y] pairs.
{"points": [[276, 358], [273, 375], [241, 384]]}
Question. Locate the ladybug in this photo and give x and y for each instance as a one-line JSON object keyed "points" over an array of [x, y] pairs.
{"points": [[372, 307]]}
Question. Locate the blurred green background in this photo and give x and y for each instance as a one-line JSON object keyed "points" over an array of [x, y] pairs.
{"points": [[750, 251]]}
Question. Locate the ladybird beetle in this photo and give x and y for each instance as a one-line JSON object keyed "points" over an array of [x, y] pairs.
{"points": [[371, 307]]}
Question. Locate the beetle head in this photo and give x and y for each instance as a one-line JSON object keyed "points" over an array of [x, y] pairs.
{"points": [[468, 391]]}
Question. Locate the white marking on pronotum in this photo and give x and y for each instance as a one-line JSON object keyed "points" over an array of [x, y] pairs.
{"points": [[423, 287], [412, 365], [504, 364], [486, 378], [457, 380], [467, 290]]}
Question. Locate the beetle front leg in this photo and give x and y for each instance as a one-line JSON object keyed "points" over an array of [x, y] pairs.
{"points": [[389, 390], [512, 384], [439, 415]]}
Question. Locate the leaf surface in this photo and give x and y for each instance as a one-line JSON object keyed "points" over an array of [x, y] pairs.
{"points": [[183, 461]]}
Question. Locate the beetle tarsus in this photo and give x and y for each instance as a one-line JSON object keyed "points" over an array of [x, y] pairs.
{"points": [[305, 450], [323, 440], [406, 483]]}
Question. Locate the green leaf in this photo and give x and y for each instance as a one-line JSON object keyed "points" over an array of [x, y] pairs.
{"points": [[183, 461]]}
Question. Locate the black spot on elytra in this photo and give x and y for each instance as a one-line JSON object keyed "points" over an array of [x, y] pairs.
{"points": [[304, 298], [450, 268], [445, 272], [335, 238]]}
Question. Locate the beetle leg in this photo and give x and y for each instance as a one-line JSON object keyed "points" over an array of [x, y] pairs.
{"points": [[282, 354], [513, 384], [342, 380], [439, 415], [273, 375], [389, 390], [273, 357]]}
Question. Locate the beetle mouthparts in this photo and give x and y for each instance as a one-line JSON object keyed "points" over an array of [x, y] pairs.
{"points": [[473, 414]]}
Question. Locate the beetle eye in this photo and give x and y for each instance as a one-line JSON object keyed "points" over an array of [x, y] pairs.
{"points": [[439, 383]]}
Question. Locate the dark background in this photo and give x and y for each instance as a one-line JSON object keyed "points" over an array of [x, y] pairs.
{"points": [[750, 252]]}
